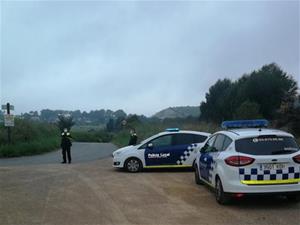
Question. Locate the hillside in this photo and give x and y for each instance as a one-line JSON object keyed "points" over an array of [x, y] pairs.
{"points": [[178, 112]]}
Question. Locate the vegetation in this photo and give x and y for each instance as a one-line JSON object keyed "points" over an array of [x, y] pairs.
{"points": [[147, 129], [65, 122], [95, 117], [267, 93], [29, 138], [92, 136]]}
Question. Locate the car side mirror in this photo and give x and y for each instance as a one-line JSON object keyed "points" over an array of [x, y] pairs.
{"points": [[150, 145], [203, 150]]}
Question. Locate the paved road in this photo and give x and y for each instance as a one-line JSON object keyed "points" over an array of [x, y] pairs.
{"points": [[94, 193], [81, 152]]}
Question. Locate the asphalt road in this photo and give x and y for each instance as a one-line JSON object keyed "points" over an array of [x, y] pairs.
{"points": [[93, 193], [81, 152]]}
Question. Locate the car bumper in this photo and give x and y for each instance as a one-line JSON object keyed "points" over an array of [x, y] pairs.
{"points": [[239, 187], [118, 162]]}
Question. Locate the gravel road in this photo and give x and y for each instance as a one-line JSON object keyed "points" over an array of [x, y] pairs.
{"points": [[93, 193], [81, 152]]}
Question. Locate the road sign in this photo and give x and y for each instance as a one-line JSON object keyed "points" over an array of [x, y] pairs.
{"points": [[4, 107], [9, 120]]}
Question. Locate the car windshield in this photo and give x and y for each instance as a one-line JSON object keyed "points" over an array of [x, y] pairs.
{"points": [[267, 145]]}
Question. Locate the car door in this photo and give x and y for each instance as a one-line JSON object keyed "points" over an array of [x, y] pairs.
{"points": [[159, 151], [184, 149], [206, 158]]}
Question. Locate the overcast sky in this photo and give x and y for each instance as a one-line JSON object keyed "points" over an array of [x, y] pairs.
{"points": [[137, 56]]}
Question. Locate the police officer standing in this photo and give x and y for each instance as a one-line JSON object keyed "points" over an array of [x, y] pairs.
{"points": [[133, 137], [66, 144]]}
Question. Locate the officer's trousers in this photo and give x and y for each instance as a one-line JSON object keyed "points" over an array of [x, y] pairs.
{"points": [[66, 152]]}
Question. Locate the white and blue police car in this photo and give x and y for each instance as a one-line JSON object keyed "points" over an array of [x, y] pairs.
{"points": [[248, 158], [172, 148]]}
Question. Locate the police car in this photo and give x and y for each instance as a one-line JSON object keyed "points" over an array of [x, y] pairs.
{"points": [[253, 160], [172, 148]]}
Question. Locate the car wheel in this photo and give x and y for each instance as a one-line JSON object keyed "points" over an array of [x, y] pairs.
{"points": [[293, 197], [133, 165], [197, 178], [221, 196]]}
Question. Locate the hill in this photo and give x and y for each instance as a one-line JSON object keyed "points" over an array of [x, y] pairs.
{"points": [[178, 112]]}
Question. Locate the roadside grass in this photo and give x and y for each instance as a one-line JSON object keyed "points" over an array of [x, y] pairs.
{"points": [[29, 138], [87, 128], [35, 147], [91, 136], [145, 130]]}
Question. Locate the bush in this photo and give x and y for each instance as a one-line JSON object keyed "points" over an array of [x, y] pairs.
{"points": [[29, 138], [30, 148], [91, 136]]}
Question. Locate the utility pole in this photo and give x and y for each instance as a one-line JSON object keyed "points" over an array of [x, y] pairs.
{"points": [[8, 128]]}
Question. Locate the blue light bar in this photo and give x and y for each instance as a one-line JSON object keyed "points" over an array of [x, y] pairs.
{"points": [[172, 129], [245, 124]]}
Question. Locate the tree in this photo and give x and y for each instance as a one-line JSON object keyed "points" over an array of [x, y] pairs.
{"points": [[217, 106], [65, 121], [263, 90], [267, 87], [248, 110], [110, 125]]}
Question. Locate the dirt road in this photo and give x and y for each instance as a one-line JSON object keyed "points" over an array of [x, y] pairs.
{"points": [[93, 193], [81, 152]]}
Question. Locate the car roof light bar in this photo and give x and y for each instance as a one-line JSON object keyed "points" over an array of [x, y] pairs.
{"points": [[172, 129], [245, 124]]}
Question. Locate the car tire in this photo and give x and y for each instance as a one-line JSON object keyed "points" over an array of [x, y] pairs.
{"points": [[133, 165], [197, 178], [221, 197], [293, 197]]}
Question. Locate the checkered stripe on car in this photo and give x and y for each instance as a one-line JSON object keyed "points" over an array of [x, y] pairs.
{"points": [[186, 154], [211, 169], [279, 174]]}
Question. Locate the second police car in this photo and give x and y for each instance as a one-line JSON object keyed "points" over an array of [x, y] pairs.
{"points": [[172, 148], [243, 161]]}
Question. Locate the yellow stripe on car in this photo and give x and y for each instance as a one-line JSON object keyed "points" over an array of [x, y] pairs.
{"points": [[263, 182], [169, 166]]}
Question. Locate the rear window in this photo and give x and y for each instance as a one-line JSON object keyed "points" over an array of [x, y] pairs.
{"points": [[267, 145]]}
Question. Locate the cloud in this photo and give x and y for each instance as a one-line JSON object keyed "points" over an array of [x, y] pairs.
{"points": [[138, 56]]}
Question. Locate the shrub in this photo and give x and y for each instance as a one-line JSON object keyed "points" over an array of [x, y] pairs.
{"points": [[29, 138]]}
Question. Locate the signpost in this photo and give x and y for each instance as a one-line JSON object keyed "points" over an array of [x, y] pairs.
{"points": [[8, 120]]}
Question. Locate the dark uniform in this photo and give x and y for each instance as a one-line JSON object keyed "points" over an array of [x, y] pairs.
{"points": [[133, 139], [66, 146]]}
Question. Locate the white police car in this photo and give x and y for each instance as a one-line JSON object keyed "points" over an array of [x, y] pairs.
{"points": [[249, 161], [172, 148]]}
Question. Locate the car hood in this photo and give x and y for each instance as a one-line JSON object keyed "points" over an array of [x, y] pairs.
{"points": [[124, 149]]}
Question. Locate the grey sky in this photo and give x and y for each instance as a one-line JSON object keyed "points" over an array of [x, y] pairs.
{"points": [[137, 56]]}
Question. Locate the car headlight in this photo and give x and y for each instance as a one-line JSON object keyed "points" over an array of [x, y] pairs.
{"points": [[116, 154]]}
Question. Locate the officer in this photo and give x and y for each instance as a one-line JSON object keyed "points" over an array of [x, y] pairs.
{"points": [[133, 137], [66, 144]]}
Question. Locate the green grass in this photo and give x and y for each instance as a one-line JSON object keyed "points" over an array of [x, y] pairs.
{"points": [[29, 138], [91, 136], [35, 147]]}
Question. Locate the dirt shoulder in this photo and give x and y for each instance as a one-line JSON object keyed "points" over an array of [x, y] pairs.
{"points": [[95, 193]]}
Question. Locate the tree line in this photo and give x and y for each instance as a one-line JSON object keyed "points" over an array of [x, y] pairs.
{"points": [[95, 117], [268, 93]]}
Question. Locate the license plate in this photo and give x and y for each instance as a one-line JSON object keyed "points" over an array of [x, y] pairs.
{"points": [[272, 166]]}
